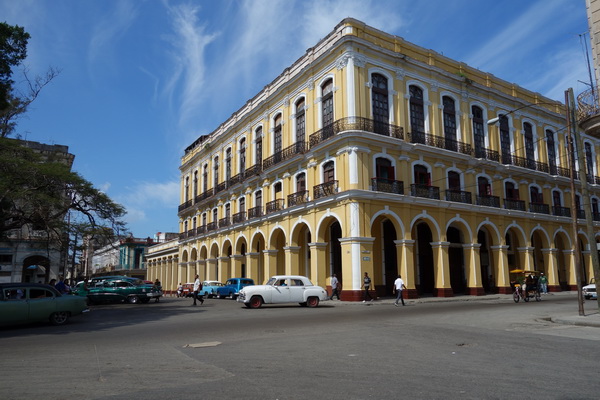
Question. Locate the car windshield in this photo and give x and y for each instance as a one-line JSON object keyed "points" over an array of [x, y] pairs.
{"points": [[231, 282], [271, 281]]}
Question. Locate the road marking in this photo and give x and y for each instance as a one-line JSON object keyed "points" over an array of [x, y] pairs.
{"points": [[205, 344]]}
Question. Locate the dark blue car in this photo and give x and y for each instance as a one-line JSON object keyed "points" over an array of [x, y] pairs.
{"points": [[232, 287]]}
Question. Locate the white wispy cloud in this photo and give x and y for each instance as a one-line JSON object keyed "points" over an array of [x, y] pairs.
{"points": [[145, 199], [109, 29], [188, 42]]}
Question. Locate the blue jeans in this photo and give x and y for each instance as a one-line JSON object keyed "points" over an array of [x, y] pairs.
{"points": [[399, 296]]}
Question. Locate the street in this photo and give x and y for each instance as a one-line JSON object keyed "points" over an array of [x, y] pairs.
{"points": [[483, 349]]}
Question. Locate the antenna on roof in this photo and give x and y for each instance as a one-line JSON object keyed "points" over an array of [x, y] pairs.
{"points": [[587, 56]]}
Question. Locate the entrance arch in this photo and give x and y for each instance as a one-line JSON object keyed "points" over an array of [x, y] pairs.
{"points": [[425, 275], [385, 255], [456, 258], [36, 269]]}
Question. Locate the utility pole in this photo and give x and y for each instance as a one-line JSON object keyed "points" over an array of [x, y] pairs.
{"points": [[571, 129]]}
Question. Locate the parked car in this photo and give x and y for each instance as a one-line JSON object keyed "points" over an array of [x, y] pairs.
{"points": [[209, 288], [283, 289], [131, 290], [34, 302], [232, 287], [589, 291]]}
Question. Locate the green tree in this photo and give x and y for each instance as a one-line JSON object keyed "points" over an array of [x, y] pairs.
{"points": [[13, 50]]}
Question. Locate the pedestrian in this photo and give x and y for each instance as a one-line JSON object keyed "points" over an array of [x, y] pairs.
{"points": [[180, 290], [366, 285], [398, 286], [335, 287], [61, 286], [197, 288], [543, 281]]}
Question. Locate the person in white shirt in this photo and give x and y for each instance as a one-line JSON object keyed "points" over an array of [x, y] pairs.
{"points": [[398, 286], [335, 290], [197, 287]]}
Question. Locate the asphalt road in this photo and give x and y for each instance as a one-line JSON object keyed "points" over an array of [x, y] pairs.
{"points": [[485, 349]]}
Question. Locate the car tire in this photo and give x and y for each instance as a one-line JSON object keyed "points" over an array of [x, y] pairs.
{"points": [[313, 302], [59, 318], [256, 302], [133, 299]]}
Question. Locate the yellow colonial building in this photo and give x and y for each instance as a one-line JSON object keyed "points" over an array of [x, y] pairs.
{"points": [[372, 154]]}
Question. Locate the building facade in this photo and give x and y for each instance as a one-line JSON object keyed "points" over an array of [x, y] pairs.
{"points": [[372, 154]]}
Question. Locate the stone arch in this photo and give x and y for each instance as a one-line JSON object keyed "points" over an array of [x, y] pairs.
{"points": [[324, 223], [393, 217], [386, 229]]}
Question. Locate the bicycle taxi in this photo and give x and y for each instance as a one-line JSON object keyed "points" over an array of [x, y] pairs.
{"points": [[525, 285]]}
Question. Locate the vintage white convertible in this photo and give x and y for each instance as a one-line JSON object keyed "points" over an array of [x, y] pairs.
{"points": [[283, 289]]}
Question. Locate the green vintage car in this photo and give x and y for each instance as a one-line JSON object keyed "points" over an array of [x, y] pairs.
{"points": [[34, 302], [118, 290]]}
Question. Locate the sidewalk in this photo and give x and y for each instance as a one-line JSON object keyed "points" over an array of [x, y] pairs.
{"points": [[591, 319]]}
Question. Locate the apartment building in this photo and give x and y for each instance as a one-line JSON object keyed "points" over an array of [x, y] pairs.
{"points": [[372, 154]]}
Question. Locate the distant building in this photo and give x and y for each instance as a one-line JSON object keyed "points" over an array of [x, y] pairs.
{"points": [[30, 254], [372, 154]]}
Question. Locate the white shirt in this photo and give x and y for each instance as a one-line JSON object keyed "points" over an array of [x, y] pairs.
{"points": [[398, 284], [197, 285], [334, 282]]}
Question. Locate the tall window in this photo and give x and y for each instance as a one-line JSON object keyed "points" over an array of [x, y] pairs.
{"points": [[228, 165], [300, 122], [227, 210], [242, 204], [258, 199], [512, 192], [205, 178], [595, 208], [301, 182], [551, 146], [277, 134], [536, 196], [478, 131], [216, 172], [528, 134], [422, 175], [379, 98], [215, 215], [556, 201], [195, 184], [454, 181], [589, 160], [277, 188], [449, 120], [505, 140], [186, 194], [242, 155], [384, 169], [328, 172], [483, 186], [417, 110], [259, 146], [194, 223], [204, 219], [327, 102]]}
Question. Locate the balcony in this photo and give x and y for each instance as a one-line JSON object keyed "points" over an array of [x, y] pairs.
{"points": [[458, 196], [185, 205], [297, 198], [275, 205], [588, 112], [387, 185], [512, 204], [211, 226], [355, 124], [285, 154], [239, 217], [223, 222], [441, 142], [430, 192], [255, 212], [580, 214], [201, 229], [539, 208], [561, 211], [487, 154], [204, 196], [510, 159], [488, 201], [325, 189]]}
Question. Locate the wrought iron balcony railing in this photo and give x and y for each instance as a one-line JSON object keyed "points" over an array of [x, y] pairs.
{"points": [[561, 211], [255, 212], [387, 185], [223, 222], [458, 196], [211, 226], [441, 142], [285, 154], [185, 205], [539, 208], [487, 154], [512, 204], [488, 201], [430, 192], [239, 217], [355, 124], [201, 229], [275, 205], [297, 198], [325, 189]]}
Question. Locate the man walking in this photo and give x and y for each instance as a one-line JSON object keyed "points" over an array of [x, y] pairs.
{"points": [[335, 284], [197, 288], [366, 285], [398, 286], [543, 282]]}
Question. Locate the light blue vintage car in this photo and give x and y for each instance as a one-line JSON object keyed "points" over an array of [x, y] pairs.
{"points": [[209, 288], [233, 286], [34, 302]]}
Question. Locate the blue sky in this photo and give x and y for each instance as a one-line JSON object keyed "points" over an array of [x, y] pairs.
{"points": [[141, 80]]}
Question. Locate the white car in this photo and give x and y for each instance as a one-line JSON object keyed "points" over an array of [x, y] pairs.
{"points": [[589, 291], [283, 289]]}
